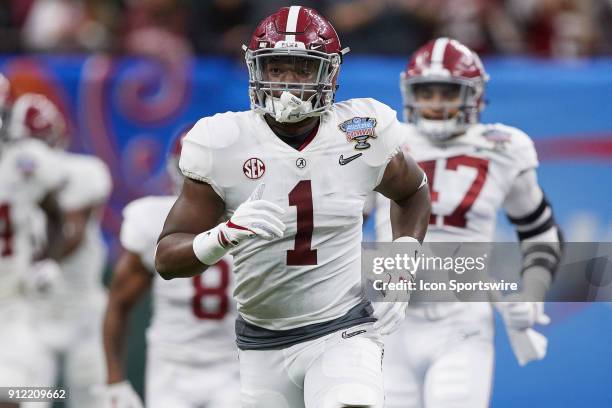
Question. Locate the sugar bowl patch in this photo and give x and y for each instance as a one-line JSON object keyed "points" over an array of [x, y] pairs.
{"points": [[359, 130], [499, 138]]}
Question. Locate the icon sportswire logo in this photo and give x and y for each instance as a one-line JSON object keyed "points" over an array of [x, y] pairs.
{"points": [[349, 159]]}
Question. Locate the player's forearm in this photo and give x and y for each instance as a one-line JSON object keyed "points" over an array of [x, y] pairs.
{"points": [[410, 215], [55, 227], [175, 258], [56, 241], [115, 330], [541, 258], [535, 283], [74, 227]]}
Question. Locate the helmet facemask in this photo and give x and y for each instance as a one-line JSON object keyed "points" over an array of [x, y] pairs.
{"points": [[460, 105], [311, 87]]}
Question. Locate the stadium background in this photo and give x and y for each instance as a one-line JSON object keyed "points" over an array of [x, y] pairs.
{"points": [[125, 109]]}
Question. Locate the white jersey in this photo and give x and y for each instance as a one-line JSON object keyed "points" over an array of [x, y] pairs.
{"points": [[443, 347], [312, 274], [89, 185], [469, 179], [29, 170], [193, 319]]}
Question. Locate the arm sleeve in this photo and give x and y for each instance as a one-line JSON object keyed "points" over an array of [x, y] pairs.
{"points": [[528, 209], [539, 235]]}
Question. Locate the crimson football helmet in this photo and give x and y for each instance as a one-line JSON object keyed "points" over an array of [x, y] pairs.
{"points": [[444, 61], [35, 116], [302, 39]]}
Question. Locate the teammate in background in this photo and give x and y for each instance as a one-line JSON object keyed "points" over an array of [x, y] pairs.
{"points": [[30, 178], [68, 318], [290, 177], [192, 358], [442, 356]]}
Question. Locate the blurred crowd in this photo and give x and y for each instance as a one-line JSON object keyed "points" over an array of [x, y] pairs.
{"points": [[548, 28]]}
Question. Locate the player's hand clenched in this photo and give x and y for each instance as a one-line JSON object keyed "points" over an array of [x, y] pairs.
{"points": [[45, 279], [389, 316], [121, 395], [520, 314], [254, 217]]}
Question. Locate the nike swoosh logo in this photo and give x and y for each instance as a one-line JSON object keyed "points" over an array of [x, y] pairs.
{"points": [[346, 335], [349, 159]]}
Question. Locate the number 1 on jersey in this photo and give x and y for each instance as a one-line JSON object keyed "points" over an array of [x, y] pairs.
{"points": [[301, 198]]}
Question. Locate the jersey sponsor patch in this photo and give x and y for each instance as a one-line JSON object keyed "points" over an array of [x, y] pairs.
{"points": [[359, 130]]}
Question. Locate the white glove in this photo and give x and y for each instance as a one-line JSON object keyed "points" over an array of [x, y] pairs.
{"points": [[519, 314], [253, 218], [45, 278], [390, 315], [121, 395]]}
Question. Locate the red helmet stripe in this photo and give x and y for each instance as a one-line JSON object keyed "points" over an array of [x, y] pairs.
{"points": [[292, 19]]}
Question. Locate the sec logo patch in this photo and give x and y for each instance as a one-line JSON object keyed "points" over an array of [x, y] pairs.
{"points": [[253, 168]]}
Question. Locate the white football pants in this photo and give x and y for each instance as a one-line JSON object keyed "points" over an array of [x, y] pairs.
{"points": [[341, 369], [441, 356]]}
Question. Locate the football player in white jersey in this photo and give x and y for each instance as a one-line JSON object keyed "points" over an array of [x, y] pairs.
{"points": [[442, 356], [68, 318], [30, 178], [288, 181], [192, 359]]}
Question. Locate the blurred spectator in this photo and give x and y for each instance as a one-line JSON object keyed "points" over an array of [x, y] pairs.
{"points": [[12, 17], [220, 26], [263, 8], [70, 25], [602, 11], [559, 28], [480, 24], [383, 26], [157, 28]]}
